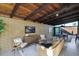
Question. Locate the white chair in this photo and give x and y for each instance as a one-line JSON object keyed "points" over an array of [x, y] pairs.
{"points": [[18, 44], [43, 37]]}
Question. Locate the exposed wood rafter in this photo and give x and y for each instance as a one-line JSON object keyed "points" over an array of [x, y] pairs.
{"points": [[65, 20], [42, 12], [44, 16], [14, 10], [68, 14], [36, 11], [64, 9]]}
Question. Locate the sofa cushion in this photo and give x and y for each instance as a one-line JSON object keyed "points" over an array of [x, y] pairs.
{"points": [[31, 38]]}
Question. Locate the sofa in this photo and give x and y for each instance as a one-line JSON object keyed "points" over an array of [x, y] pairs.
{"points": [[31, 39]]}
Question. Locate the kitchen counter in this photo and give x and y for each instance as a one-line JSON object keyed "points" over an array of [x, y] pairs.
{"points": [[58, 46]]}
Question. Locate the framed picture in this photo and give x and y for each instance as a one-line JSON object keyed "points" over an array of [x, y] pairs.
{"points": [[29, 29]]}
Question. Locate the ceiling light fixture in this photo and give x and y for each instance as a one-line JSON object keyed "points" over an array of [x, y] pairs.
{"points": [[57, 14]]}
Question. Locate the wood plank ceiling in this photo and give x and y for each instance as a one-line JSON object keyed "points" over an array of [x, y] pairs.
{"points": [[47, 13]]}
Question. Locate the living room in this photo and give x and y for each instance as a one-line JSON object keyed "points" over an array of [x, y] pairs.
{"points": [[15, 25], [30, 29], [16, 28]]}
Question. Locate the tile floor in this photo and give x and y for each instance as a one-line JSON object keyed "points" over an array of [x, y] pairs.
{"points": [[29, 51], [71, 48]]}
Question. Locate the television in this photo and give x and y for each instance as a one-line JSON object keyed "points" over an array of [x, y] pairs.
{"points": [[29, 29]]}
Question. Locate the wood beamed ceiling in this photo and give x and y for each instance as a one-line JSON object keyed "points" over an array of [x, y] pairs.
{"points": [[66, 15], [42, 12]]}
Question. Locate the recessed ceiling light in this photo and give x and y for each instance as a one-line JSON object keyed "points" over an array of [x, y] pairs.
{"points": [[57, 14]]}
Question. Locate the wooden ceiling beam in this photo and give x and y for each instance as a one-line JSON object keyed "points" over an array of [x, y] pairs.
{"points": [[40, 18], [67, 14], [14, 9], [3, 13], [36, 11], [63, 16], [48, 14], [70, 19], [44, 16], [64, 9], [66, 21]]}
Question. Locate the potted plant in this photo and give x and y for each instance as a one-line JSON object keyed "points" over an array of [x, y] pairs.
{"points": [[1, 26]]}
